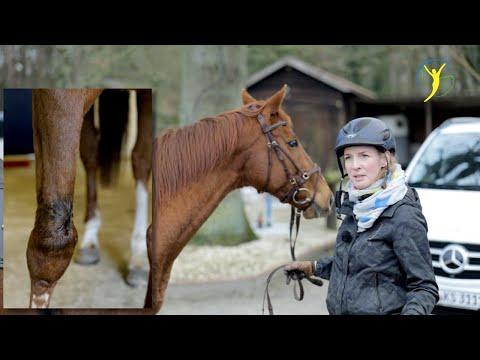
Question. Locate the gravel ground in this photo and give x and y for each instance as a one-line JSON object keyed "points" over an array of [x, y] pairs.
{"points": [[220, 280], [244, 297], [222, 263]]}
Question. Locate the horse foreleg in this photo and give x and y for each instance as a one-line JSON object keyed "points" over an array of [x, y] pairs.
{"points": [[141, 164], [157, 285], [159, 294], [156, 276], [149, 295], [160, 269], [57, 121], [89, 247]]}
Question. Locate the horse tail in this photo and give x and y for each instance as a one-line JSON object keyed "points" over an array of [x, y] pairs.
{"points": [[113, 114]]}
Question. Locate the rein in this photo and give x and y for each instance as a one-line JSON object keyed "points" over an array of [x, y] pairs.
{"points": [[297, 276]]}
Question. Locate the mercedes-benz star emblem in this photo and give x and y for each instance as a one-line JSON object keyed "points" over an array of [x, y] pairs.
{"points": [[453, 259]]}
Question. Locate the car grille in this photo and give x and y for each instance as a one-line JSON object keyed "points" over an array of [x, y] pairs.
{"points": [[471, 271]]}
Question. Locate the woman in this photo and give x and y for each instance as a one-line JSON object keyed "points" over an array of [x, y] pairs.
{"points": [[382, 262]]}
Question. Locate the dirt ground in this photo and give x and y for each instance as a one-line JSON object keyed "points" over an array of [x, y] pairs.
{"points": [[98, 286]]}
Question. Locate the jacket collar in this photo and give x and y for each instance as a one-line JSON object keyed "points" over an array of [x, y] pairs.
{"points": [[409, 198]]}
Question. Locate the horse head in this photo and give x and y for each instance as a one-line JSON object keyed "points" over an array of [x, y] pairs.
{"points": [[277, 162]]}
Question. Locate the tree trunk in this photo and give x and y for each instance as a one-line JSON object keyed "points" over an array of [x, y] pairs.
{"points": [[212, 80]]}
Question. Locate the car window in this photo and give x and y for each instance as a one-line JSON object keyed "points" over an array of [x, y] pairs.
{"points": [[451, 161]]}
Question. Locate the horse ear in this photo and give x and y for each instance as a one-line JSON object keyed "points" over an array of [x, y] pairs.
{"points": [[275, 101], [247, 98]]}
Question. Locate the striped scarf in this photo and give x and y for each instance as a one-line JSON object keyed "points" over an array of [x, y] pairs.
{"points": [[369, 203]]}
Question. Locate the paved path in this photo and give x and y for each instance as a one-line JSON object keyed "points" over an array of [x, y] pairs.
{"points": [[244, 297]]}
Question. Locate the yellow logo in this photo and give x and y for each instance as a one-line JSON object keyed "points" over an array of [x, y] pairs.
{"points": [[436, 80]]}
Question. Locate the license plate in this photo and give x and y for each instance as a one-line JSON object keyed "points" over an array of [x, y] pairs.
{"points": [[459, 299]]}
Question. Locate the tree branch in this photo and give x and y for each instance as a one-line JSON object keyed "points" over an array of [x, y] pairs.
{"points": [[463, 61]]}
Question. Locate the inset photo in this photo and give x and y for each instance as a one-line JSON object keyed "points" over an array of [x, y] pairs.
{"points": [[77, 174]]}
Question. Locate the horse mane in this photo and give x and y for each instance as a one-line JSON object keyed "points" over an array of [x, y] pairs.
{"points": [[186, 154]]}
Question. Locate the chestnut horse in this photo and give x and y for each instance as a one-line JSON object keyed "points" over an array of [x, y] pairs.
{"points": [[60, 117], [196, 166]]}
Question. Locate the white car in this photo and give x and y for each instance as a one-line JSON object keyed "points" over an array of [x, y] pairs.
{"points": [[445, 171]]}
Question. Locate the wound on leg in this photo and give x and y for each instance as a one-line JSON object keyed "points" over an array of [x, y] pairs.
{"points": [[54, 224]]}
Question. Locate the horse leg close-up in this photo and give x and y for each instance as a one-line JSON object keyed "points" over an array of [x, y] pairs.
{"points": [[57, 121], [89, 247], [142, 165]]}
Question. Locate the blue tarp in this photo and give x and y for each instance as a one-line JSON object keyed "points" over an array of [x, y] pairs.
{"points": [[17, 123]]}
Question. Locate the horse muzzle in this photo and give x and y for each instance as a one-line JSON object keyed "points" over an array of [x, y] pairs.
{"points": [[315, 210]]}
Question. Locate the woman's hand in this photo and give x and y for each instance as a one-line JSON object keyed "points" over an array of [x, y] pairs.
{"points": [[307, 267]]}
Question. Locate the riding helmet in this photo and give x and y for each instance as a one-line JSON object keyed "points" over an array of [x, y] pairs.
{"points": [[364, 131]]}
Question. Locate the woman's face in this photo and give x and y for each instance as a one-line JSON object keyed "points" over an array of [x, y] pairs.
{"points": [[364, 165]]}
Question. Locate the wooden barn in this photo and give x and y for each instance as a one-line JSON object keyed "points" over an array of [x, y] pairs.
{"points": [[319, 103]]}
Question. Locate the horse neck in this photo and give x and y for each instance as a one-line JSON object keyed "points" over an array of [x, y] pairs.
{"points": [[181, 215]]}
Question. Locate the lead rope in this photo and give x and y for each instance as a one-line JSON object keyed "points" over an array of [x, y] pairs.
{"points": [[295, 217], [297, 276]]}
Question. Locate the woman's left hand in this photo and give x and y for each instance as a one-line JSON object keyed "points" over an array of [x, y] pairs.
{"points": [[307, 267]]}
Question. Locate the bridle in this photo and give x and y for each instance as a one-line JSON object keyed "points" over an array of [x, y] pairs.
{"points": [[297, 180]]}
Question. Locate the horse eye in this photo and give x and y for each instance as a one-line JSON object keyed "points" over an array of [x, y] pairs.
{"points": [[293, 143]]}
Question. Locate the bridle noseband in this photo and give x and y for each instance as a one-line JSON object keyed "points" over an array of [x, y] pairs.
{"points": [[297, 180]]}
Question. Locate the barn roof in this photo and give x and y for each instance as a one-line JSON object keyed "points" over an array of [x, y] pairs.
{"points": [[334, 81]]}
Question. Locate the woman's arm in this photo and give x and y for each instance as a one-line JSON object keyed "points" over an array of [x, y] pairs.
{"points": [[323, 268], [410, 244]]}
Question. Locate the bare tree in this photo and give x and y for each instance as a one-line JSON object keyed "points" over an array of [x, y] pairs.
{"points": [[212, 80]]}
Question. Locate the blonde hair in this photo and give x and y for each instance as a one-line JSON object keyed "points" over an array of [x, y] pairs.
{"points": [[391, 162]]}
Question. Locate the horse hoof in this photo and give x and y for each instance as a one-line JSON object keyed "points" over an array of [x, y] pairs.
{"points": [[87, 256], [137, 277]]}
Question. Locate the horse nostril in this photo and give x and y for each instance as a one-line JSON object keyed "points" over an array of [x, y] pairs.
{"points": [[332, 200]]}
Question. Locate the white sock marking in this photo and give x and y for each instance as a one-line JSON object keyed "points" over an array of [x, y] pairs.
{"points": [[90, 237], [40, 301], [138, 243]]}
